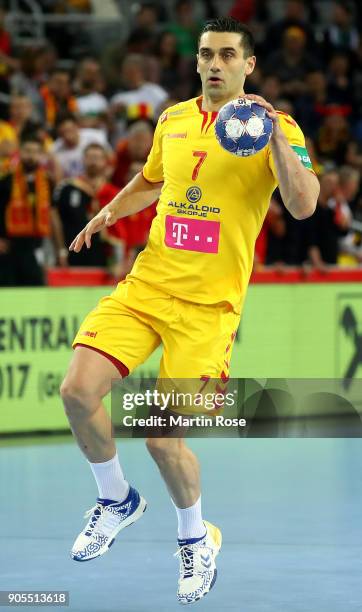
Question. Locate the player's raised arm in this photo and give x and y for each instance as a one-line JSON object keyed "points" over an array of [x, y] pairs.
{"points": [[136, 195], [298, 186]]}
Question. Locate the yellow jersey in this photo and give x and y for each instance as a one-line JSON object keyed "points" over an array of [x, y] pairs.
{"points": [[211, 208]]}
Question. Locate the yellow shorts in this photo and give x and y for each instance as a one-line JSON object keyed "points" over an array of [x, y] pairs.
{"points": [[136, 318]]}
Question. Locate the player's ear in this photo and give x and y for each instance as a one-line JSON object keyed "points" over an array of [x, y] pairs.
{"points": [[197, 65], [250, 64]]}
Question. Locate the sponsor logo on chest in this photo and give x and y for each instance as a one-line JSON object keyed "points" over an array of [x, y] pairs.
{"points": [[192, 234]]}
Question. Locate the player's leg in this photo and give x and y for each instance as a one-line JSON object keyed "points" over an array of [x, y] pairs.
{"points": [[88, 380], [198, 541], [116, 341], [179, 468], [206, 334]]}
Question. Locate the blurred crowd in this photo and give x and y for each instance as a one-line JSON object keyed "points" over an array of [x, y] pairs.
{"points": [[76, 125]]}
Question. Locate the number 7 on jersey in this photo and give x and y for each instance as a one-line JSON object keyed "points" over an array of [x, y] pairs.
{"points": [[202, 156]]}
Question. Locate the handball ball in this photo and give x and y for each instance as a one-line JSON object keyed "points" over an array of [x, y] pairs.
{"points": [[243, 127]]}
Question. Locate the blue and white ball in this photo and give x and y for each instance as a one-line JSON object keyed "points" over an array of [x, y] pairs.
{"points": [[243, 127]]}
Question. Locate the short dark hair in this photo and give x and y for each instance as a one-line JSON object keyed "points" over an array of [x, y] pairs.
{"points": [[65, 116], [229, 24], [58, 70], [30, 137], [95, 145]]}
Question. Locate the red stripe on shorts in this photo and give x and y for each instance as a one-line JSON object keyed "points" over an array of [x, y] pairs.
{"points": [[122, 369]]}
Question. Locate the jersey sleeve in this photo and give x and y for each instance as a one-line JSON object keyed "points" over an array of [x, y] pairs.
{"points": [[296, 140], [153, 168]]}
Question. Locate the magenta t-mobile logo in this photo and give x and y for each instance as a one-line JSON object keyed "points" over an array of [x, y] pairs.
{"points": [[179, 230], [192, 234]]}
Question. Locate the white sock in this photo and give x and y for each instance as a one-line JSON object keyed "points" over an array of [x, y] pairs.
{"points": [[190, 524], [110, 479]]}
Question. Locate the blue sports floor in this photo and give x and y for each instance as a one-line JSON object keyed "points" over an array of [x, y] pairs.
{"points": [[290, 511]]}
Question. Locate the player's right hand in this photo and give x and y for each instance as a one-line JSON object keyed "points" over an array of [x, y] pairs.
{"points": [[103, 219]]}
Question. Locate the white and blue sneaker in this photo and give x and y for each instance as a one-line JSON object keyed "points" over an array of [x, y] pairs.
{"points": [[107, 518], [197, 565]]}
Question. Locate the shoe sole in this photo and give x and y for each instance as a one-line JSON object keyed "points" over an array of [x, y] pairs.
{"points": [[141, 508], [186, 603]]}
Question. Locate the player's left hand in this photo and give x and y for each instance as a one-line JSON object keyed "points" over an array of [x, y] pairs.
{"points": [[271, 112]]}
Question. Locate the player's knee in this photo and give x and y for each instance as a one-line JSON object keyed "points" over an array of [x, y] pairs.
{"points": [[76, 394], [163, 449]]}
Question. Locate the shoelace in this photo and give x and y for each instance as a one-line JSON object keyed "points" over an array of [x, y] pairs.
{"points": [[97, 512], [100, 517], [186, 553]]}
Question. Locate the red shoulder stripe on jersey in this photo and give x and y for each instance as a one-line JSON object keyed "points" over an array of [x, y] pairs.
{"points": [[288, 119]]}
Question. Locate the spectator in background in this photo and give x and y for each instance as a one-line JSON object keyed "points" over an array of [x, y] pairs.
{"points": [[354, 154], [78, 200], [185, 28], [175, 72], [340, 85], [270, 89], [21, 123], [142, 98], [349, 182], [7, 64], [35, 66], [333, 138], [312, 107], [25, 217], [8, 145], [148, 17], [21, 114], [71, 143], [57, 97], [275, 227], [135, 147], [88, 87], [284, 105], [292, 62], [5, 40], [285, 237], [139, 42], [356, 79], [316, 164], [243, 10], [146, 29], [342, 33], [329, 223], [130, 234], [351, 245], [295, 16], [11, 131]]}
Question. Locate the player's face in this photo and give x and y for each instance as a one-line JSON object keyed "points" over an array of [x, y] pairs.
{"points": [[222, 65]]}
